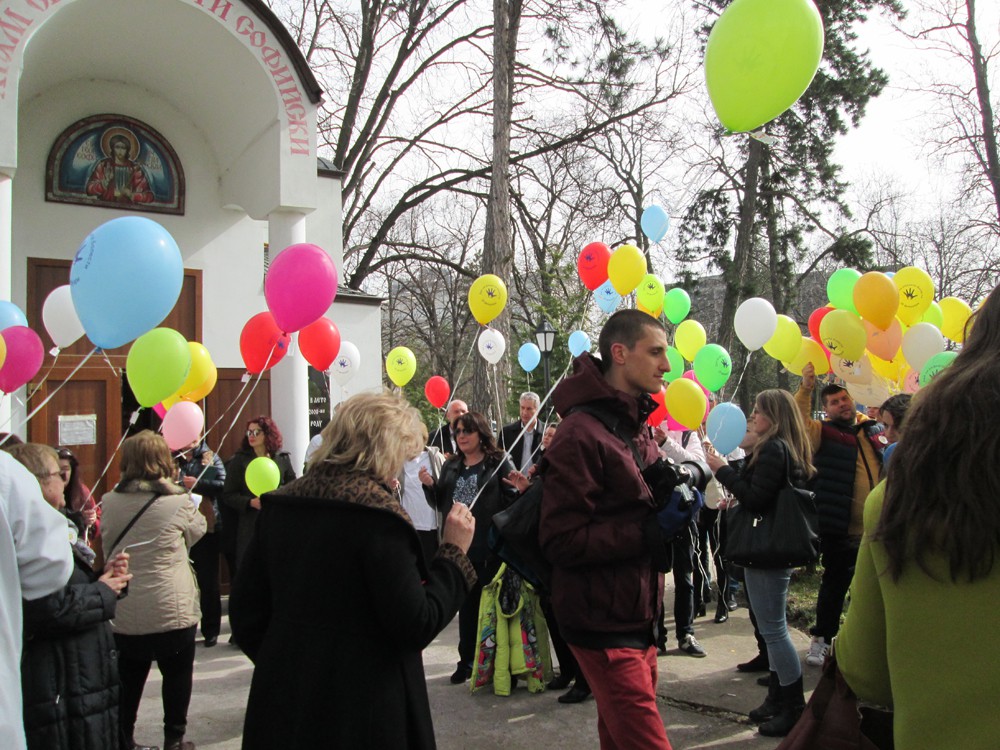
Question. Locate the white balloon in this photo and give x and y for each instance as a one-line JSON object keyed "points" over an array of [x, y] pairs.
{"points": [[920, 343], [873, 393], [60, 318], [492, 345], [346, 364], [755, 322]]}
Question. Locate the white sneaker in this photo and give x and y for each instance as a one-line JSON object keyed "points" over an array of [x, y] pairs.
{"points": [[818, 649]]}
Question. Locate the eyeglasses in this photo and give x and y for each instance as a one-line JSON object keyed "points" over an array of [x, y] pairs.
{"points": [[254, 433], [463, 431]]}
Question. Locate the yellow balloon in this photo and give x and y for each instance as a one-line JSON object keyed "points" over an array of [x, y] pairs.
{"points": [[809, 351], [206, 386], [626, 269], [642, 308], [400, 365], [916, 292], [487, 298], [876, 299], [686, 402], [201, 368], [843, 334], [888, 369], [955, 314], [650, 292], [3, 351], [689, 337], [786, 341]]}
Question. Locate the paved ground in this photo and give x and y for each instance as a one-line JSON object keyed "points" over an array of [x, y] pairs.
{"points": [[703, 702]]}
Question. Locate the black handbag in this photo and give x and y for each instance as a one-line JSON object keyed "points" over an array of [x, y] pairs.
{"points": [[784, 537], [513, 536]]}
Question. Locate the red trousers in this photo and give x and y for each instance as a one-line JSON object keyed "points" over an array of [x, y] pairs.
{"points": [[623, 681]]}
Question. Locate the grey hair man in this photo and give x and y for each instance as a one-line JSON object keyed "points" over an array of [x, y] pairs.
{"points": [[523, 439]]}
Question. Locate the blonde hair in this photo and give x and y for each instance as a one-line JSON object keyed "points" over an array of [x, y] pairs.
{"points": [[145, 455], [374, 433], [783, 413], [33, 455]]}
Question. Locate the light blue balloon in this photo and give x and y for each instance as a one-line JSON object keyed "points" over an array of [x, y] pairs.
{"points": [[529, 355], [11, 315], [125, 279], [579, 342], [726, 426], [607, 297], [654, 223]]}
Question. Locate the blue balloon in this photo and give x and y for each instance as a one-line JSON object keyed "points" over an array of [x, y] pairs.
{"points": [[579, 342], [726, 426], [125, 279], [607, 297], [529, 355], [654, 223], [11, 315]]}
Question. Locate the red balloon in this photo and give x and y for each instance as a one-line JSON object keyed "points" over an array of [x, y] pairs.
{"points": [[656, 418], [319, 343], [592, 265], [262, 344], [815, 319], [437, 391], [25, 353]]}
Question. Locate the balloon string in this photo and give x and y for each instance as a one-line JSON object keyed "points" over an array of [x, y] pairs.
{"points": [[739, 380], [47, 398], [45, 377], [108, 360], [496, 393], [246, 384], [132, 420]]}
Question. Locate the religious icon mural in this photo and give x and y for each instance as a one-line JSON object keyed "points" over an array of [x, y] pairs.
{"points": [[115, 161]]}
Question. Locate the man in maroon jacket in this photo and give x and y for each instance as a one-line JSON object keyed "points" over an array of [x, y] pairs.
{"points": [[605, 590]]}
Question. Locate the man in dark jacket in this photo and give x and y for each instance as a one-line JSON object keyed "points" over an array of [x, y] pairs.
{"points": [[595, 503], [847, 449], [522, 440], [203, 472]]}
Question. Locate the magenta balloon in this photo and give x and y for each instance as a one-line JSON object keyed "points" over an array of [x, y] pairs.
{"points": [[300, 286], [24, 357]]}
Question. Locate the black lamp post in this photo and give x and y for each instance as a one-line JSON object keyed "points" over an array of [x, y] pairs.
{"points": [[545, 336]]}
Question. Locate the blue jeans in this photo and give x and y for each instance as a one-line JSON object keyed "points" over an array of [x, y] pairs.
{"points": [[768, 592]]}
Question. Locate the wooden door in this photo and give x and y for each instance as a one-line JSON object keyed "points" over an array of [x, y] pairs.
{"points": [[225, 401]]}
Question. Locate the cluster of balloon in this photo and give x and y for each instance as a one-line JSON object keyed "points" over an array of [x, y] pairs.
{"points": [[579, 342], [528, 356], [400, 365], [487, 298], [300, 286], [262, 343], [319, 343], [346, 364], [183, 419], [654, 223], [492, 345], [262, 475], [760, 58], [437, 391], [757, 326], [125, 279]]}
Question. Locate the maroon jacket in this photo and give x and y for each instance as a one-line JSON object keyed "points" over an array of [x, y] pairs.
{"points": [[605, 593]]}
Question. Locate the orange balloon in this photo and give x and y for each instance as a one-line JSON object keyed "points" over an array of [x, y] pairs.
{"points": [[884, 343], [876, 299]]}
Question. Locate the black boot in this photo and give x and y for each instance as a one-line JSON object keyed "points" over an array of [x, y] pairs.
{"points": [[721, 611], [792, 702], [757, 664], [771, 705]]}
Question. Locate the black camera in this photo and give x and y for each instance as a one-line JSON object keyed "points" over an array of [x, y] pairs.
{"points": [[665, 475]]}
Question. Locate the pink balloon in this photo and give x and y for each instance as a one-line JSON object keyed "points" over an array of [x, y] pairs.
{"points": [[300, 285], [160, 409], [25, 353], [182, 425]]}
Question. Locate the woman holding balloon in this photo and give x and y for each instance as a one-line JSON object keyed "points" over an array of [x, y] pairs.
{"points": [[262, 440]]}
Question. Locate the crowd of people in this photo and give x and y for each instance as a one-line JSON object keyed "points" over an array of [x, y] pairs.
{"points": [[95, 590]]}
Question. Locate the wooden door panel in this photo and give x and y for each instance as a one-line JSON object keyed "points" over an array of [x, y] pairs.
{"points": [[224, 397]]}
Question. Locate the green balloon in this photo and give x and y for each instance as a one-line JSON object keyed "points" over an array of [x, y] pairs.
{"points": [[157, 365], [262, 475], [713, 366], [934, 316], [676, 305], [840, 289], [649, 293], [933, 367], [676, 365], [760, 58]]}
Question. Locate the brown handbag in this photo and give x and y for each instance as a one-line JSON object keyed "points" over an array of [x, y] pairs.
{"points": [[833, 720]]}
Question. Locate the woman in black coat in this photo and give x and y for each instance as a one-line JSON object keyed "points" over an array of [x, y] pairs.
{"points": [[262, 438], [473, 477], [341, 667]]}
